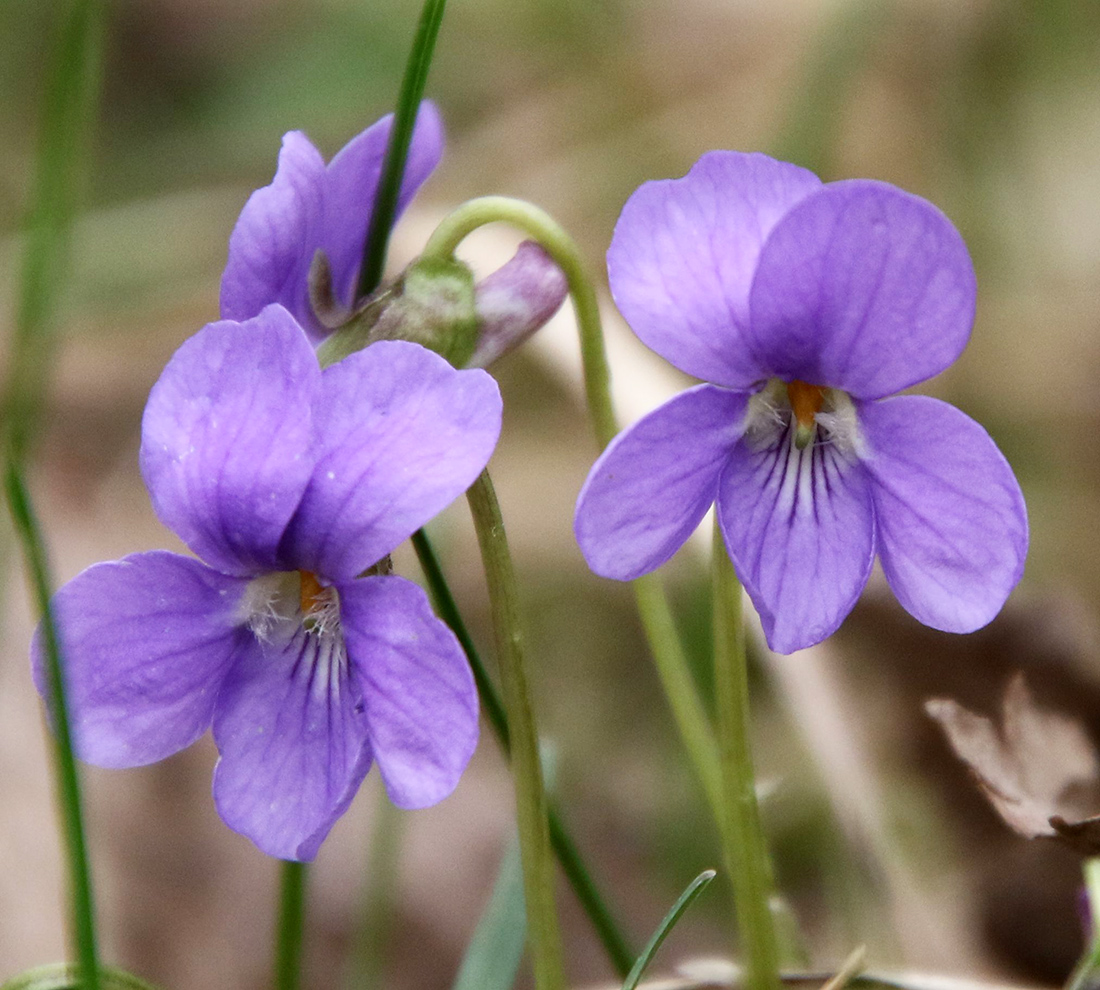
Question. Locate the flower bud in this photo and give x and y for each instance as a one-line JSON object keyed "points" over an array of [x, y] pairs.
{"points": [[515, 301]]}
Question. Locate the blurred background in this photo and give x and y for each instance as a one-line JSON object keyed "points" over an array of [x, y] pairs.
{"points": [[990, 108]]}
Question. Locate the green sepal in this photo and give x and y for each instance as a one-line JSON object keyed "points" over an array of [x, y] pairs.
{"points": [[431, 304], [65, 976]]}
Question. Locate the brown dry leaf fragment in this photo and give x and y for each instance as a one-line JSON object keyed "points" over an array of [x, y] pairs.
{"points": [[1040, 771]]}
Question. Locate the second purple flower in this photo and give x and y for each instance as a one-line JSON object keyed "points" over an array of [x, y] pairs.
{"points": [[806, 305]]}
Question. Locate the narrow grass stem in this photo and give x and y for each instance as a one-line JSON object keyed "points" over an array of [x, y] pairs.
{"points": [[569, 857], [531, 807], [746, 851], [397, 150], [82, 912], [290, 925]]}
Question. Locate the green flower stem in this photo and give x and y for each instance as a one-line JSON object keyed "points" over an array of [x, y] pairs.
{"points": [[680, 690], [290, 926], [569, 857], [82, 918], [531, 810], [652, 604], [745, 850], [560, 246], [397, 150]]}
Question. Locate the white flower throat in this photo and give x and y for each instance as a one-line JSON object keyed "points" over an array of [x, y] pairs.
{"points": [[808, 414], [280, 605]]}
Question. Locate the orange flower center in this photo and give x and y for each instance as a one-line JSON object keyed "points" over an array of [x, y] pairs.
{"points": [[313, 594], [806, 401]]}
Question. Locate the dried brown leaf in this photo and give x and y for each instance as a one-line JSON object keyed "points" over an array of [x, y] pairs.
{"points": [[1039, 770]]}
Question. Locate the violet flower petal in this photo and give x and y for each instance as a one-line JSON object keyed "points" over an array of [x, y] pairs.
{"points": [[351, 182], [227, 436], [292, 734], [683, 254], [268, 243], [862, 287], [146, 642], [309, 207], [399, 435], [655, 482], [951, 519], [799, 527], [419, 692]]}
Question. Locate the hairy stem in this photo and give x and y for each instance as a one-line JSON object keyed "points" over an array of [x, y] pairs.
{"points": [[743, 836], [531, 807]]}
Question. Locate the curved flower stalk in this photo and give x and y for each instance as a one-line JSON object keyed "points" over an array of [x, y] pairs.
{"points": [[289, 483], [806, 306]]}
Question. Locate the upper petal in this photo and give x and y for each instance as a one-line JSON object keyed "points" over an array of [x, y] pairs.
{"points": [[655, 482], [269, 255], [309, 207], [350, 184], [683, 254], [862, 287], [419, 693], [226, 437], [146, 642], [292, 734], [799, 527], [952, 525], [399, 435]]}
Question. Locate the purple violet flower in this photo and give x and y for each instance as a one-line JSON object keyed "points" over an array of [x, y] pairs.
{"points": [[289, 482], [310, 206], [806, 305]]}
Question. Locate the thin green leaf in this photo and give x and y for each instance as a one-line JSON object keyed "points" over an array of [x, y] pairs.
{"points": [[493, 956], [694, 889], [68, 778], [397, 151], [68, 108]]}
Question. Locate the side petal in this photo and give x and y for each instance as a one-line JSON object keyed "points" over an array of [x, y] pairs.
{"points": [[952, 525], [655, 482], [350, 184], [269, 254], [862, 287], [292, 734], [683, 254], [226, 437], [799, 527], [419, 693], [146, 643], [399, 435]]}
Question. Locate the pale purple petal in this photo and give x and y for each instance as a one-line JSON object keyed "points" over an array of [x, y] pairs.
{"points": [[420, 694], [952, 525], [292, 734], [267, 250], [684, 252], [400, 434], [226, 438], [146, 642], [351, 182], [514, 301], [799, 527], [862, 287], [309, 207], [655, 482]]}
